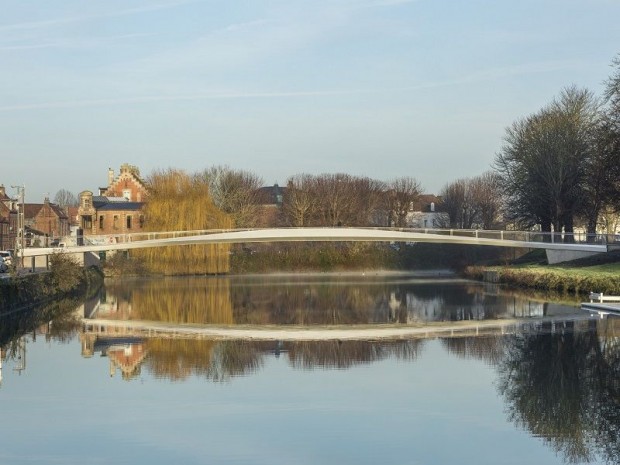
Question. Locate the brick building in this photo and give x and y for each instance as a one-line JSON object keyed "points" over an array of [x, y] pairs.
{"points": [[118, 207], [8, 220], [127, 184], [48, 218]]}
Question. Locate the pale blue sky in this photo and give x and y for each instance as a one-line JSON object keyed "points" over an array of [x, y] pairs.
{"points": [[380, 88]]}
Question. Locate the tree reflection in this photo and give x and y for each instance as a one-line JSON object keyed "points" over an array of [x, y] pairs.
{"points": [[217, 361], [563, 387], [180, 300], [344, 354], [56, 320], [489, 349]]}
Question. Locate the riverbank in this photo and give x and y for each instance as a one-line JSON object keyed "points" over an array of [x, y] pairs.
{"points": [[596, 274], [65, 279]]}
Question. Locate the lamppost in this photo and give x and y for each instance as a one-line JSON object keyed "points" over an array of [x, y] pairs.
{"points": [[21, 222]]}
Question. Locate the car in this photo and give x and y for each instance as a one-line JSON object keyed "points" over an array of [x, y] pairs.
{"points": [[7, 255], [3, 266]]}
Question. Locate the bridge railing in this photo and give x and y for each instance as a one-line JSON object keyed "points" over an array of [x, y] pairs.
{"points": [[518, 236], [144, 236]]}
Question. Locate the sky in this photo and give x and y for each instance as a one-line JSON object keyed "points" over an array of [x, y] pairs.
{"points": [[377, 88]]}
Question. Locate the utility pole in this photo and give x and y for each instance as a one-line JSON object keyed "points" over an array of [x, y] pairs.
{"points": [[21, 222]]}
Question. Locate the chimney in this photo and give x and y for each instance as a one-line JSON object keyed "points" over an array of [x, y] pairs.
{"points": [[110, 176]]}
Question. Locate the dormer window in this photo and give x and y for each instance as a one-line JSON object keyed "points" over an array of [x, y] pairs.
{"points": [[432, 206]]}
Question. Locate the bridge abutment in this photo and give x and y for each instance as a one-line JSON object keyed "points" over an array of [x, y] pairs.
{"points": [[559, 256]]}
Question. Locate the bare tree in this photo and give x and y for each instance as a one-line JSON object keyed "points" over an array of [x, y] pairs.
{"points": [[454, 202], [473, 202], [400, 195], [64, 198], [486, 195], [235, 192], [299, 203], [331, 200]]}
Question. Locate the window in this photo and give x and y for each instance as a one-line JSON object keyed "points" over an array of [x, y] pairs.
{"points": [[128, 221], [115, 222], [101, 222], [87, 203], [127, 194]]}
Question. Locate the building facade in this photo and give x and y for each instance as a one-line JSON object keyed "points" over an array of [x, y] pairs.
{"points": [[425, 213], [128, 184], [48, 218], [119, 207], [8, 220]]}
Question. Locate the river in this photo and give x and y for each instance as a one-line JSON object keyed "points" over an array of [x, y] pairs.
{"points": [[485, 375]]}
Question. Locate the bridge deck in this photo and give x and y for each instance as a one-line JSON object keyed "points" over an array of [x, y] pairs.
{"points": [[375, 332], [522, 239]]}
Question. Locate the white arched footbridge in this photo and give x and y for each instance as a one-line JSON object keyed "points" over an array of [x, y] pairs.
{"points": [[562, 244]]}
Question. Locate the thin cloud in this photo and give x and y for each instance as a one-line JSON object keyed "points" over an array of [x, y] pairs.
{"points": [[485, 75], [77, 19], [386, 3], [75, 43]]}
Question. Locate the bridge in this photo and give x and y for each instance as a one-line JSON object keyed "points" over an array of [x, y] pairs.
{"points": [[558, 245], [449, 329]]}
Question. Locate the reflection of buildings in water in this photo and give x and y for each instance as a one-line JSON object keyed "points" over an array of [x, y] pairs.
{"points": [[423, 309], [112, 307], [479, 307], [106, 305], [125, 353], [438, 309], [126, 357]]}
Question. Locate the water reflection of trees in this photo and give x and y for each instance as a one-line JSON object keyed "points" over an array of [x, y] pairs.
{"points": [[55, 320], [304, 300], [564, 388], [219, 361], [489, 349], [344, 354], [310, 304], [178, 300], [220, 300]]}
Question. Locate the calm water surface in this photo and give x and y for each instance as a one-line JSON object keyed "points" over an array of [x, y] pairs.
{"points": [[549, 394]]}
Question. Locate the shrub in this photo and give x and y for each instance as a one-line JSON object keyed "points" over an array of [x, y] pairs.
{"points": [[65, 272]]}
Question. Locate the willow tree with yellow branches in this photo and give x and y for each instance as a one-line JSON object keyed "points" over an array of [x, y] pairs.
{"points": [[181, 202]]}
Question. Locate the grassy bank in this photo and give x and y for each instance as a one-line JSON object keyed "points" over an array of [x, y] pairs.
{"points": [[596, 274], [66, 278]]}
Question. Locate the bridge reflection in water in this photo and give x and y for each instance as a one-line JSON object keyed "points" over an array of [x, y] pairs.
{"points": [[221, 326]]}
